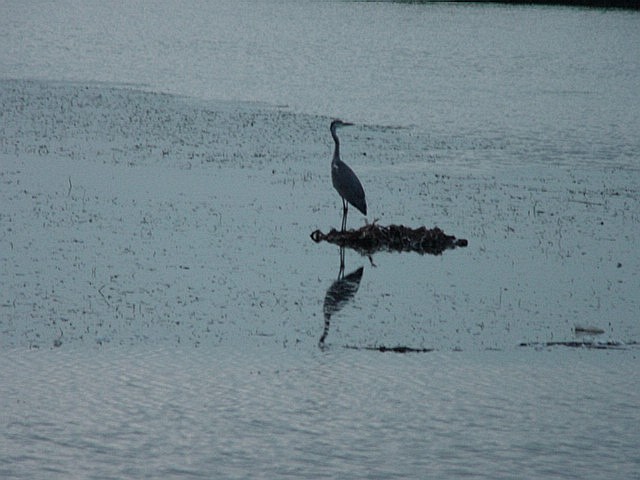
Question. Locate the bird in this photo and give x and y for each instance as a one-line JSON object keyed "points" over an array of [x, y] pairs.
{"points": [[344, 180]]}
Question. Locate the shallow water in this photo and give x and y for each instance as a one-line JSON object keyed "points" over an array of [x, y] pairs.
{"points": [[557, 84], [158, 238], [163, 311], [225, 413]]}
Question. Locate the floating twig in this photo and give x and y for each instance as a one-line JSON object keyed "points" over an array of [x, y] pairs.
{"points": [[588, 330]]}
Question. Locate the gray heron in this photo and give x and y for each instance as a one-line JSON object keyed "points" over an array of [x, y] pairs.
{"points": [[344, 180]]}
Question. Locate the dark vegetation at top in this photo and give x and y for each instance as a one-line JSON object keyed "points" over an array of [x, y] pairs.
{"points": [[630, 4]]}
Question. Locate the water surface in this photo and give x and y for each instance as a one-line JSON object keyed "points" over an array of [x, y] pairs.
{"points": [[163, 311], [559, 83]]}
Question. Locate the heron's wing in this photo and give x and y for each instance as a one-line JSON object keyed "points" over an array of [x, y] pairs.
{"points": [[348, 185]]}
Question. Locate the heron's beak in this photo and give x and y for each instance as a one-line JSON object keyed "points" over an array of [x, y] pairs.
{"points": [[347, 124]]}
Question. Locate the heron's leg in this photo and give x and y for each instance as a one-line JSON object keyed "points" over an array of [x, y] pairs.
{"points": [[345, 210]]}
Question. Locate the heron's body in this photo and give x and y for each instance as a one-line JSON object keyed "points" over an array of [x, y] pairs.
{"points": [[344, 180]]}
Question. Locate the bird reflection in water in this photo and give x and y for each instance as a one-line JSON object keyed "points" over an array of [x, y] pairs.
{"points": [[339, 294]]}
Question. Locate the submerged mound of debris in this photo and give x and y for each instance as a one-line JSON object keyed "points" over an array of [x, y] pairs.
{"points": [[373, 238], [397, 349], [587, 344]]}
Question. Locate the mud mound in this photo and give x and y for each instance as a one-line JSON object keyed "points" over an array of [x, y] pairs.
{"points": [[396, 238]]}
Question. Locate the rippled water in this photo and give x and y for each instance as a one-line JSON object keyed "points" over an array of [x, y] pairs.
{"points": [[225, 414], [498, 74], [164, 312]]}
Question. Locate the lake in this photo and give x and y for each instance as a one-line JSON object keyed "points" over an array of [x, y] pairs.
{"points": [[164, 313]]}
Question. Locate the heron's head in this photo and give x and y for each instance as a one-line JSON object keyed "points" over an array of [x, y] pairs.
{"points": [[339, 123]]}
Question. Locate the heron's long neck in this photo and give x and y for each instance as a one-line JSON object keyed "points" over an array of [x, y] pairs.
{"points": [[336, 150]]}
